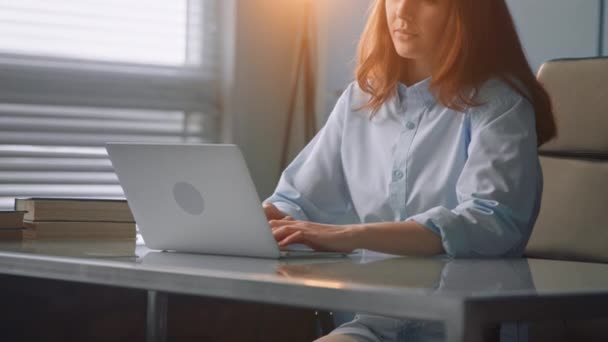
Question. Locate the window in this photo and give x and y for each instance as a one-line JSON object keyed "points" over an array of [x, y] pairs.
{"points": [[79, 73]]}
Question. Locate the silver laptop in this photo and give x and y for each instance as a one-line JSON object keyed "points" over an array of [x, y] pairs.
{"points": [[196, 198]]}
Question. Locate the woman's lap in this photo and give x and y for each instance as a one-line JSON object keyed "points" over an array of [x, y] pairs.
{"points": [[370, 328]]}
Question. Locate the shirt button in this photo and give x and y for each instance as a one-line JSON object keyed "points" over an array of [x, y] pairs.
{"points": [[397, 174], [410, 125]]}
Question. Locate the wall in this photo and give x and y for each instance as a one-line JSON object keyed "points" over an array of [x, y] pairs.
{"points": [[259, 57], [556, 28], [605, 28], [340, 25], [260, 43]]}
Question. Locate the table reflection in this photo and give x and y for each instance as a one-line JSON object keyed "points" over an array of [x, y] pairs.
{"points": [[463, 276]]}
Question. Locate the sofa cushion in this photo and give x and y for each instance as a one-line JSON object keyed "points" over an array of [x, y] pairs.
{"points": [[579, 93], [573, 219]]}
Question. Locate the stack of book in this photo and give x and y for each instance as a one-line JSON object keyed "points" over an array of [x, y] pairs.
{"points": [[79, 248], [76, 218], [11, 225]]}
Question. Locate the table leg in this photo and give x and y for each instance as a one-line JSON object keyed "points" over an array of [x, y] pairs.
{"points": [[156, 317], [463, 328]]}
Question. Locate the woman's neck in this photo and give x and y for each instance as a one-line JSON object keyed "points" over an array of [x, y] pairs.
{"points": [[415, 72]]}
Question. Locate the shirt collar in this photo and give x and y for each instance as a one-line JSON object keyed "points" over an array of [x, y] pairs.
{"points": [[418, 93]]}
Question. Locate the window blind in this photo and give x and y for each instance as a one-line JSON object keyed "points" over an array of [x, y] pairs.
{"points": [[79, 73]]}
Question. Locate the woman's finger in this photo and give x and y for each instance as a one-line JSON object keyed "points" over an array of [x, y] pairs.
{"points": [[279, 223], [296, 237], [283, 232], [271, 211]]}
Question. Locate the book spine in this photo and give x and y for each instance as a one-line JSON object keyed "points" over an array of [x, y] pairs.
{"points": [[33, 234]]}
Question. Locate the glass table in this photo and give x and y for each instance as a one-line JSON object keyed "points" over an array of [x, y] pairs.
{"points": [[465, 294]]}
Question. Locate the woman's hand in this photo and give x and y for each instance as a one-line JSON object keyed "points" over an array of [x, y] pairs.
{"points": [[320, 237], [272, 213]]}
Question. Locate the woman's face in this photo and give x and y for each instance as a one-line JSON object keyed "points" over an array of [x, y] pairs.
{"points": [[416, 26]]}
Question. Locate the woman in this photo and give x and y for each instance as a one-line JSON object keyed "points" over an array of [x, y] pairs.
{"points": [[433, 150]]}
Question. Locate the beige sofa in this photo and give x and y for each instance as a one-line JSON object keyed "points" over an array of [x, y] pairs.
{"points": [[573, 220]]}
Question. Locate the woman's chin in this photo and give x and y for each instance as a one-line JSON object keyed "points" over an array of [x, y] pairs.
{"points": [[408, 54], [408, 50]]}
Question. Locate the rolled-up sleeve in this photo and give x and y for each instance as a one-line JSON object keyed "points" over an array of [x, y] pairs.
{"points": [[313, 187], [498, 190]]}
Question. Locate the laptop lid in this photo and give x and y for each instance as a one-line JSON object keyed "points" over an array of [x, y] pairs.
{"points": [[193, 198]]}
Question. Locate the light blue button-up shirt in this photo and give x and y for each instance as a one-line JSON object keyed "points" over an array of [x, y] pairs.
{"points": [[473, 177]]}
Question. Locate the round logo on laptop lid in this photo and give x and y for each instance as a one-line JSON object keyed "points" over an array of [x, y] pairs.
{"points": [[188, 198]]}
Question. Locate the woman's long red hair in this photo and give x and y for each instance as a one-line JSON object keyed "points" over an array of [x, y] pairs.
{"points": [[480, 43]]}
